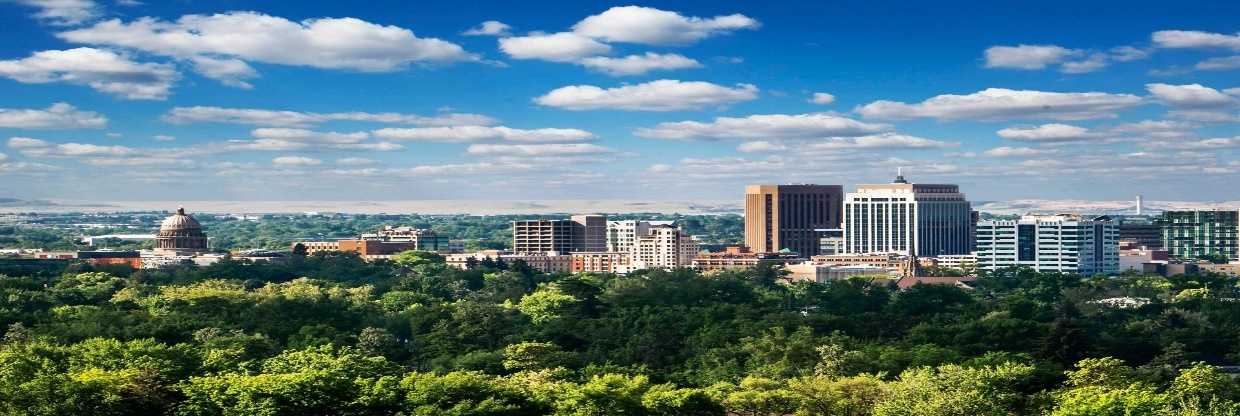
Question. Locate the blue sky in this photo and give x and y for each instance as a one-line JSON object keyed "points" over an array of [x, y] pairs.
{"points": [[268, 100]]}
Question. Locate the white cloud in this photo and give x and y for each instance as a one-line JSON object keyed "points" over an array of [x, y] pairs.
{"points": [[1003, 104], [489, 28], [764, 126], [354, 161], [231, 72], [163, 138], [27, 143], [645, 25], [1006, 151], [880, 141], [102, 70], [1195, 39], [1208, 116], [1094, 62], [1129, 53], [218, 43], [1026, 56], [291, 161], [760, 146], [555, 47], [261, 117], [377, 146], [822, 98], [1053, 132], [63, 12], [457, 169], [460, 134], [56, 116], [303, 135], [1156, 128], [639, 64], [538, 150], [1190, 96], [1203, 144], [1219, 64], [35, 147], [3, 157], [660, 95]]}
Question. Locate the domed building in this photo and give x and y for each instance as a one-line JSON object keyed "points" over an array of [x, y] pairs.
{"points": [[180, 233]]}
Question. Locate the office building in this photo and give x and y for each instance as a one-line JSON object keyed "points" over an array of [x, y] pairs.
{"points": [[1138, 231], [665, 247], [1193, 234], [419, 238], [906, 218], [578, 233], [622, 235], [1050, 243], [550, 262], [789, 217]]}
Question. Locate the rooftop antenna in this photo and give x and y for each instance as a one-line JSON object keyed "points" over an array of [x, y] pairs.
{"points": [[900, 175]]}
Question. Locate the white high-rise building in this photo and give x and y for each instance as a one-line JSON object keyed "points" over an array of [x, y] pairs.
{"points": [[901, 217], [1049, 243], [622, 235], [664, 247]]}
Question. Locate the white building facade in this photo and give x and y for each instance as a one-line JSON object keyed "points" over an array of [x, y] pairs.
{"points": [[1050, 243], [900, 217], [663, 247]]}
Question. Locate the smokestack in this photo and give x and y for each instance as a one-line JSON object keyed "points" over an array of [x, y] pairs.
{"points": [[1139, 204]]}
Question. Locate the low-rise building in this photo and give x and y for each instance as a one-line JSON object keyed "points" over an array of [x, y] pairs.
{"points": [[1134, 260], [740, 258], [112, 258], [1230, 269], [599, 261], [548, 262], [382, 244], [891, 261]]}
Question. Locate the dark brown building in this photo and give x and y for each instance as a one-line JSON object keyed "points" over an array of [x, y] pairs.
{"points": [[789, 217]]}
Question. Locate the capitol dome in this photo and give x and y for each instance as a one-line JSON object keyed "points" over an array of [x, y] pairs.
{"points": [[180, 232]]}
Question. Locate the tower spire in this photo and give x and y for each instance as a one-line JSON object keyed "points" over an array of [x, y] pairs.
{"points": [[900, 175]]}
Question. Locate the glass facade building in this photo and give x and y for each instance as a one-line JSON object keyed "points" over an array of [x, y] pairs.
{"points": [[1193, 234], [1055, 243]]}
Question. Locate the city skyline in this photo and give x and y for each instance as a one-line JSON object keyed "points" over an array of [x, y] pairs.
{"points": [[123, 100]]}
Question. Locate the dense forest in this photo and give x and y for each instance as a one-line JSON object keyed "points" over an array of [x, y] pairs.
{"points": [[334, 335], [278, 232]]}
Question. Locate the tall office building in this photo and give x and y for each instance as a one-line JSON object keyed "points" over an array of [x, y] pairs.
{"points": [[589, 232], [791, 217], [621, 235], [1192, 234], [1053, 243], [1139, 231], [906, 218], [579, 233]]}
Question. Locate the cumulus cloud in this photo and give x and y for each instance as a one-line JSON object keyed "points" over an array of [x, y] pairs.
{"points": [[489, 28], [1195, 39], [284, 118], [764, 126], [217, 44], [26, 143], [759, 146], [880, 141], [354, 161], [1004, 104], [102, 70], [1006, 151], [163, 138], [231, 72], [294, 161], [1191, 96], [1026, 56], [63, 12], [645, 25], [1053, 132], [639, 64], [660, 95], [56, 116], [1094, 62], [460, 134], [555, 47], [1202, 144], [822, 98], [1219, 64], [303, 135], [539, 150]]}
